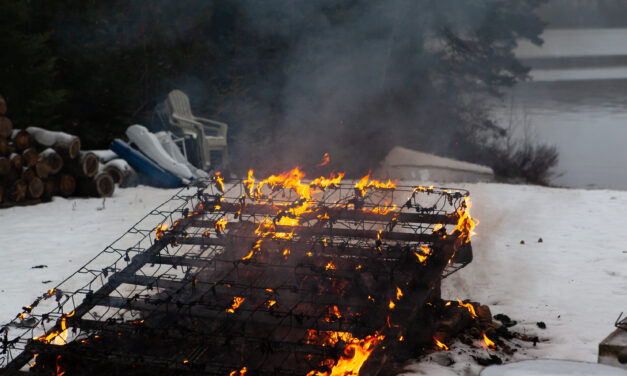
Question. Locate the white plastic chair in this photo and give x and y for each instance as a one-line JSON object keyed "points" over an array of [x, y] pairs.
{"points": [[210, 134]]}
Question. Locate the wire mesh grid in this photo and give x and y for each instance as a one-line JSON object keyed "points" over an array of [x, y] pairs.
{"points": [[231, 257]]}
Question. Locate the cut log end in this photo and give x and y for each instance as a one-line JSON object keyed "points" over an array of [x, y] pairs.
{"points": [[17, 191], [21, 139], [4, 146], [89, 164], [101, 185], [30, 156], [66, 185], [6, 126], [35, 188], [5, 165], [52, 159], [74, 148]]}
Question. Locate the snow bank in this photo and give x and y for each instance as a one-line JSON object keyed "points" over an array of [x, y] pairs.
{"points": [[575, 280]]}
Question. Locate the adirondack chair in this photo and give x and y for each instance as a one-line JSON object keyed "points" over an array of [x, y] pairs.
{"points": [[209, 134]]}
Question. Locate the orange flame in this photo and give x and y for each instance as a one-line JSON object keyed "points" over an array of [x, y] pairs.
{"points": [[466, 224], [330, 266], [325, 160], [391, 305], [383, 210], [221, 224], [356, 352], [469, 307], [241, 372], [57, 337], [422, 258], [488, 342], [160, 230], [399, 293], [218, 181], [440, 345], [365, 182], [249, 184], [237, 301]]}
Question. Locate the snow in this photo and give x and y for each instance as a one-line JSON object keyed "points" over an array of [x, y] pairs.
{"points": [[548, 367], [575, 280]]}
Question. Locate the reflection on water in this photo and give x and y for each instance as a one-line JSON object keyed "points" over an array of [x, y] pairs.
{"points": [[586, 120]]}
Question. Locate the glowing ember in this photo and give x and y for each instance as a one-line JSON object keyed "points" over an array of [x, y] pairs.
{"points": [[399, 293], [237, 301], [439, 344], [241, 372], [469, 307], [330, 266], [270, 303], [488, 342], [391, 305]]}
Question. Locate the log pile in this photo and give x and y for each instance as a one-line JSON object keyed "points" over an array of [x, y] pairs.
{"points": [[37, 164]]}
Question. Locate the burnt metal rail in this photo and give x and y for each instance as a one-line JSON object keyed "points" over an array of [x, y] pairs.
{"points": [[228, 286]]}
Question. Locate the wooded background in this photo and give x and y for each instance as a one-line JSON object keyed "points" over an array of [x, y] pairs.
{"points": [[293, 79]]}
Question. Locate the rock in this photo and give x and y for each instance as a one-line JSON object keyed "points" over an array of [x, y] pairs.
{"points": [[505, 320], [522, 242], [483, 311], [541, 324], [540, 240]]}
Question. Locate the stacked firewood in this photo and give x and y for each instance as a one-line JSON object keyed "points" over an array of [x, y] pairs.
{"points": [[37, 164]]}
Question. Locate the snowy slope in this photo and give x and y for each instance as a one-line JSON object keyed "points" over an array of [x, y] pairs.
{"points": [[575, 280]]}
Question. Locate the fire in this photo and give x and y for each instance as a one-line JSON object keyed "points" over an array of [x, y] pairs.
{"points": [[323, 182], [465, 224], [399, 293], [218, 181], [383, 210], [392, 305], [469, 307], [286, 252], [440, 345], [249, 184], [60, 372], [241, 372], [237, 301], [160, 230], [355, 353], [488, 342], [426, 252], [325, 160], [365, 182], [330, 266], [57, 337], [334, 314], [270, 303], [221, 225]]}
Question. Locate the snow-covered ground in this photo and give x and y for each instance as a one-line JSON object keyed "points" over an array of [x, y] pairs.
{"points": [[575, 280]]}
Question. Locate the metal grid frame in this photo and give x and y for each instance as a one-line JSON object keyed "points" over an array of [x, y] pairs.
{"points": [[139, 274]]}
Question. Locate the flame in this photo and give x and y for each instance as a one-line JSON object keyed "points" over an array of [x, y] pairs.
{"points": [[237, 301], [355, 353], [466, 224], [286, 252], [365, 182], [220, 224], [241, 372], [249, 184], [469, 307], [218, 181], [399, 293], [383, 210], [422, 258], [59, 371], [488, 342], [325, 160], [323, 182], [330, 266], [160, 230], [56, 337], [440, 345], [391, 305], [270, 303]]}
